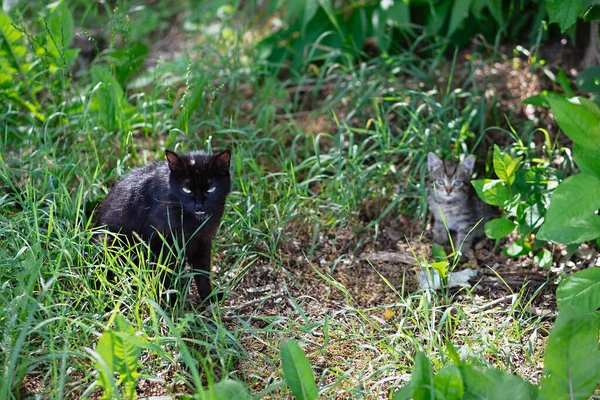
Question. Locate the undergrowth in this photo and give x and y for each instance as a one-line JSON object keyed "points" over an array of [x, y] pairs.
{"points": [[327, 159]]}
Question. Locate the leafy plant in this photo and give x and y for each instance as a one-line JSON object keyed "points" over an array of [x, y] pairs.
{"points": [[42, 63], [313, 28], [522, 189], [566, 12], [297, 371], [118, 351], [572, 215], [571, 360]]}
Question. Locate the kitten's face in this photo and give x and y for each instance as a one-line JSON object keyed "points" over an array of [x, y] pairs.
{"points": [[449, 180], [200, 181]]}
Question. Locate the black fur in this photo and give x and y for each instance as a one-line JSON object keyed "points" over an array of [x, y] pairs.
{"points": [[183, 198]]}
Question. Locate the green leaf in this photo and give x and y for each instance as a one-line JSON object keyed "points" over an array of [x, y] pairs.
{"points": [[60, 33], [571, 216], [110, 103], [460, 11], [589, 80], [538, 100], [399, 14], [578, 118], [421, 379], [592, 13], [587, 160], [297, 371], [12, 49], [494, 192], [229, 389], [128, 61], [438, 253], [404, 393], [126, 354], [120, 350], [565, 84], [448, 383], [452, 353], [495, 384], [518, 248], [580, 290], [563, 12], [498, 228], [543, 258], [504, 166], [436, 21], [441, 267], [572, 358], [495, 7], [104, 348]]}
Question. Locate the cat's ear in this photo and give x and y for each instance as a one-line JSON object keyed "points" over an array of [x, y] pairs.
{"points": [[222, 160], [175, 162], [433, 161], [469, 163]]}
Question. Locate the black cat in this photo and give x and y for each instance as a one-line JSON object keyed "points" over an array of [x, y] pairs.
{"points": [[182, 198]]}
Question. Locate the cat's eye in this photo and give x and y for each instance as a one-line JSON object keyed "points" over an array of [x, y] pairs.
{"points": [[212, 189], [458, 183], [186, 190], [440, 182]]}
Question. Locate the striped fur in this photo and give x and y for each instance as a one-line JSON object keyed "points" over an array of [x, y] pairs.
{"points": [[451, 195]]}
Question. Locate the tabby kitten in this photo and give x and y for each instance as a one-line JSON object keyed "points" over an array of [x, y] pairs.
{"points": [[450, 192], [181, 199]]}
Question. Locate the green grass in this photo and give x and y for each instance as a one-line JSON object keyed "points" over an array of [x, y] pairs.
{"points": [[304, 201]]}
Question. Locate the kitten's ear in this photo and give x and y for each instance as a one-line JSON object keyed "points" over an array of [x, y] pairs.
{"points": [[433, 161], [175, 163], [222, 160], [469, 163]]}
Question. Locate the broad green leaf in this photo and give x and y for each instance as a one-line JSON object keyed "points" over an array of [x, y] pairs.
{"points": [[404, 393], [126, 354], [495, 384], [436, 21], [438, 253], [581, 290], [494, 192], [495, 7], [60, 33], [563, 12], [441, 267], [128, 61], [452, 353], [538, 100], [110, 103], [517, 248], [105, 349], [579, 119], [498, 228], [13, 51], [460, 11], [229, 389], [589, 80], [543, 258], [588, 160], [297, 371], [572, 358], [399, 14], [565, 83], [448, 383], [571, 216], [421, 379], [504, 166]]}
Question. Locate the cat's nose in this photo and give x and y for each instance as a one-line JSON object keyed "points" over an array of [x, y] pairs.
{"points": [[448, 189]]}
